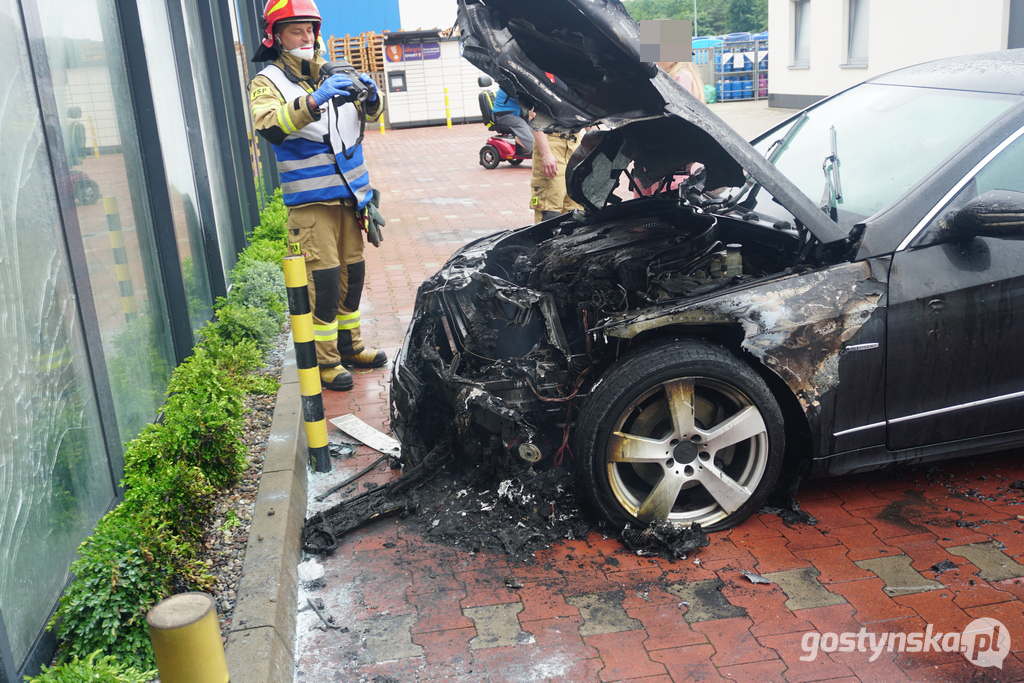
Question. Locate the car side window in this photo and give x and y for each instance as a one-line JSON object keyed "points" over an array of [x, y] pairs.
{"points": [[1003, 172]]}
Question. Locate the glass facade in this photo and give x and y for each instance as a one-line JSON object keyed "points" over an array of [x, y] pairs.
{"points": [[178, 162], [93, 265], [55, 478], [91, 89]]}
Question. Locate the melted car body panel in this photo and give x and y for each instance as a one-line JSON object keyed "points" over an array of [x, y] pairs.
{"points": [[802, 328]]}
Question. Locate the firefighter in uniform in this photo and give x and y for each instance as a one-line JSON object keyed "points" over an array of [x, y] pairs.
{"points": [[551, 152], [314, 127]]}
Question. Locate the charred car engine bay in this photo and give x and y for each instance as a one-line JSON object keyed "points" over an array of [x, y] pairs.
{"points": [[507, 333]]}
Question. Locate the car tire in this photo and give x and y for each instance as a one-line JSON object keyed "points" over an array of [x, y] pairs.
{"points": [[675, 406], [515, 162], [489, 157]]}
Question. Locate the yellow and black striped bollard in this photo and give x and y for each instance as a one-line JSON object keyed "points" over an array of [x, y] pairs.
{"points": [[124, 275], [305, 361]]}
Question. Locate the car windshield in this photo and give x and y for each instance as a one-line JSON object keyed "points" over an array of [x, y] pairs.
{"points": [[886, 139]]}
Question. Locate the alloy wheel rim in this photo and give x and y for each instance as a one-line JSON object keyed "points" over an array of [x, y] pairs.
{"points": [[690, 449]]}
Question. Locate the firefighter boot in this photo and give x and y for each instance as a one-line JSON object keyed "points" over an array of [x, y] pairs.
{"points": [[367, 358], [336, 378]]}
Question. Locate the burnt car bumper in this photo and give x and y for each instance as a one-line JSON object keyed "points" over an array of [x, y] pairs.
{"points": [[481, 351]]}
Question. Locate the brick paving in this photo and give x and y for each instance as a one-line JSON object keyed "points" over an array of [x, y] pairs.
{"points": [[589, 610]]}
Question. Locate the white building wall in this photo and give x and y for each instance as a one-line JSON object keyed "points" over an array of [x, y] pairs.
{"points": [[900, 33], [426, 14]]}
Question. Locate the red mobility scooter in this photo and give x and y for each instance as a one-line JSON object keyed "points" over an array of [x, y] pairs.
{"points": [[501, 146]]}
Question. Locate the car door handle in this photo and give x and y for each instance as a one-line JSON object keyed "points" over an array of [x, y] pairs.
{"points": [[937, 305]]}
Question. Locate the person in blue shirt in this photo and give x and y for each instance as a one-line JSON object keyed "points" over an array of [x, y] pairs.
{"points": [[507, 112]]}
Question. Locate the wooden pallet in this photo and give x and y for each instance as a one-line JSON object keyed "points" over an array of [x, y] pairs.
{"points": [[374, 51], [349, 47]]}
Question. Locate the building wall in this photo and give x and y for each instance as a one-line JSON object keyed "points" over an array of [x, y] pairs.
{"points": [[900, 33], [348, 16], [427, 14]]}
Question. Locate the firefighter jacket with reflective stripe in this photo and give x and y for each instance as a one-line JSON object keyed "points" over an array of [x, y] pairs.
{"points": [[315, 148]]}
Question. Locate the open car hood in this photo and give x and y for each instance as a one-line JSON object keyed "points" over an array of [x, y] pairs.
{"points": [[593, 48]]}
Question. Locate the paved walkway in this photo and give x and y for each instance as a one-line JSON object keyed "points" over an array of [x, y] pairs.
{"points": [[927, 551]]}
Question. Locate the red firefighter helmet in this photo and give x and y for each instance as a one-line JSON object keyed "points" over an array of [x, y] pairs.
{"points": [[288, 11]]}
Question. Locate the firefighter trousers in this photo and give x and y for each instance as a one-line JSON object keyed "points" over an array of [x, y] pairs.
{"points": [[328, 235]]}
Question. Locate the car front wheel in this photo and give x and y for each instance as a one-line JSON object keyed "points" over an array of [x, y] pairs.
{"points": [[681, 431]]}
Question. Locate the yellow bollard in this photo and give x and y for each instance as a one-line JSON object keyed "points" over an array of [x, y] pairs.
{"points": [[95, 139], [124, 275], [186, 640], [305, 362], [447, 109], [382, 124]]}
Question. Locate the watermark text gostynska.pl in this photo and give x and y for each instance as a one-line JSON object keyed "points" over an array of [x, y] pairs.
{"points": [[985, 642]]}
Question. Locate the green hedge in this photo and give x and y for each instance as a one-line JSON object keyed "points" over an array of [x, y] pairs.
{"points": [[146, 549], [95, 668]]}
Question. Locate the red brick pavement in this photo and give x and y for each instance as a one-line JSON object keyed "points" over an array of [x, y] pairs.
{"points": [[591, 611]]}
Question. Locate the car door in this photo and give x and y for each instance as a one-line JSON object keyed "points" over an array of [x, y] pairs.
{"points": [[954, 367]]}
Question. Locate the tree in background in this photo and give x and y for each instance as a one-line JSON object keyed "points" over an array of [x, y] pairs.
{"points": [[747, 15], [714, 17]]}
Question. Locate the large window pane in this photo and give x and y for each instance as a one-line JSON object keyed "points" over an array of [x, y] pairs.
{"points": [[178, 163], [86, 61], [55, 479], [242, 49], [211, 138]]}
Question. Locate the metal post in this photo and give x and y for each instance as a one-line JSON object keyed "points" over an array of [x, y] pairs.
{"points": [[305, 362], [95, 138], [186, 640], [447, 110]]}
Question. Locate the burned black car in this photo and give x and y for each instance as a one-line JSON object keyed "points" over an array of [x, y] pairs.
{"points": [[722, 318]]}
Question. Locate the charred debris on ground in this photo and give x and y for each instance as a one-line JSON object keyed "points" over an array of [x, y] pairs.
{"points": [[491, 503]]}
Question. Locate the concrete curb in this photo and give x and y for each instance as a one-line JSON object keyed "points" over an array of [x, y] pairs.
{"points": [[260, 647]]}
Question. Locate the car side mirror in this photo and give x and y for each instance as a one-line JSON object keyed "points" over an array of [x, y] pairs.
{"points": [[999, 213]]}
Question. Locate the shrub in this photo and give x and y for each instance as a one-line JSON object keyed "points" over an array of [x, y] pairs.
{"points": [[273, 219], [93, 669], [258, 284], [239, 361], [266, 251], [236, 324], [203, 417], [163, 487], [130, 563]]}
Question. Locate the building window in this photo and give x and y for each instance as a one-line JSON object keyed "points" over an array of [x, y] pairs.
{"points": [[801, 33], [857, 33], [1015, 30]]}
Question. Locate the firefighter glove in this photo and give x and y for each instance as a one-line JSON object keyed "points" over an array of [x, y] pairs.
{"points": [[370, 86], [372, 221], [335, 84]]}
